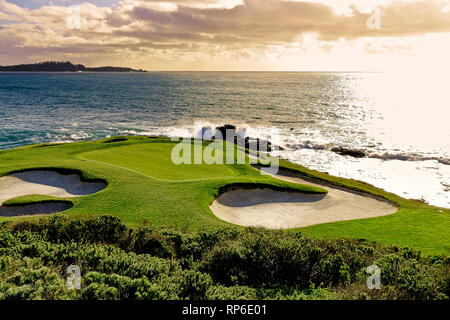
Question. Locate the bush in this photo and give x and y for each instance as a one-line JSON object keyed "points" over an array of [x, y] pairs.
{"points": [[118, 262]]}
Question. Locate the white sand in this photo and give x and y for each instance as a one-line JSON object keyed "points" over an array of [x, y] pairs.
{"points": [[283, 210], [48, 183]]}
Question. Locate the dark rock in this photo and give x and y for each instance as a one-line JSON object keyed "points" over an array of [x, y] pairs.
{"points": [[228, 132], [349, 152], [231, 129]]}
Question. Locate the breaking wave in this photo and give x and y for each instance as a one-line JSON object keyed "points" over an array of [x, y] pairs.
{"points": [[208, 130]]}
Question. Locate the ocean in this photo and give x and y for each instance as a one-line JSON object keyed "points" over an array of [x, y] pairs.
{"points": [[399, 122]]}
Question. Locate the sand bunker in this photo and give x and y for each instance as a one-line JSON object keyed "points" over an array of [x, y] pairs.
{"points": [[34, 209], [49, 183], [283, 210]]}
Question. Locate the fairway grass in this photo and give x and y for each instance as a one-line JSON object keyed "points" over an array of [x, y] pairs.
{"points": [[145, 187]]}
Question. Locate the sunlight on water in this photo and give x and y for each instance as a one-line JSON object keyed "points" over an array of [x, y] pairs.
{"points": [[413, 111]]}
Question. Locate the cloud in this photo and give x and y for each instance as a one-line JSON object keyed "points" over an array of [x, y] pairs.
{"points": [[203, 28]]}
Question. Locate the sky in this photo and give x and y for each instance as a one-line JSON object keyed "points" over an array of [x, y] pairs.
{"points": [[230, 35]]}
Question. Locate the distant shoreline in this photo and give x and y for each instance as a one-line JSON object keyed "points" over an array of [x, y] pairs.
{"points": [[73, 72], [66, 67]]}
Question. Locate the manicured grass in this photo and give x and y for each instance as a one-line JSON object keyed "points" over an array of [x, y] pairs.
{"points": [[154, 160], [145, 187]]}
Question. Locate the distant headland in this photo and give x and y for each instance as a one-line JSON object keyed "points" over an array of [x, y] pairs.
{"points": [[62, 66]]}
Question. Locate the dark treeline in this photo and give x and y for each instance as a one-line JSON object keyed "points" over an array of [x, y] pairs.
{"points": [[66, 66]]}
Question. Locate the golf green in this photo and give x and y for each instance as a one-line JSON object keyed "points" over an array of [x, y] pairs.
{"points": [[144, 186]]}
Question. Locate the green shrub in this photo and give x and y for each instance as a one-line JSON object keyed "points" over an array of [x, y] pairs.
{"points": [[194, 285], [231, 293], [99, 291], [118, 262]]}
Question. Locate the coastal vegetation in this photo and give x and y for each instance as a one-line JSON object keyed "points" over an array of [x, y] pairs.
{"points": [[150, 234], [119, 262]]}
